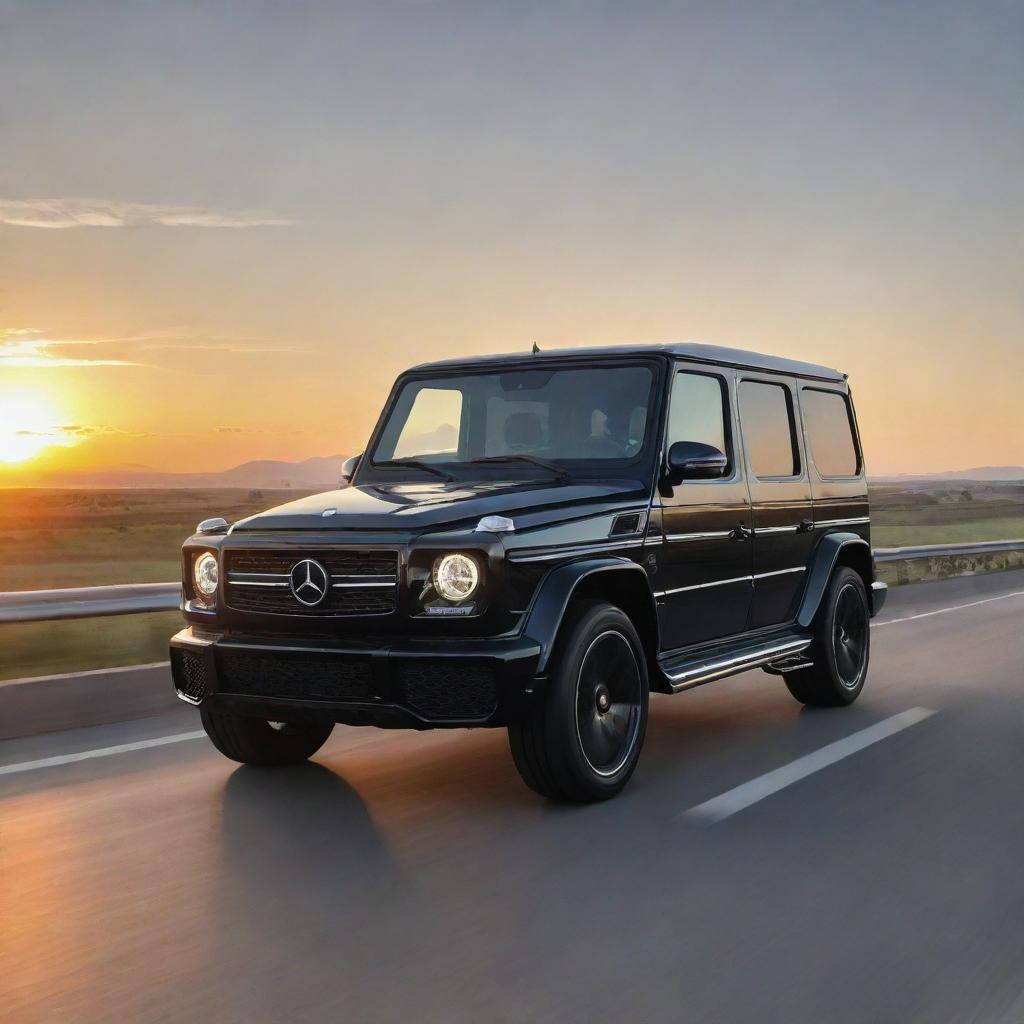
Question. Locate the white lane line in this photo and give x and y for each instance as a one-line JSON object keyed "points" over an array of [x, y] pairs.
{"points": [[124, 748], [87, 755], [951, 608], [729, 803]]}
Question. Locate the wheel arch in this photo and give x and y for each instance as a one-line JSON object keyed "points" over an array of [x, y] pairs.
{"points": [[617, 580], [834, 550]]}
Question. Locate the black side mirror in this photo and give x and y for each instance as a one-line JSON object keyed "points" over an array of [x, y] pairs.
{"points": [[349, 467], [692, 460]]}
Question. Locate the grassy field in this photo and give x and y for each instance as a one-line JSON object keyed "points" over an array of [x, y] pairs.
{"points": [[86, 538], [946, 513], [51, 539]]}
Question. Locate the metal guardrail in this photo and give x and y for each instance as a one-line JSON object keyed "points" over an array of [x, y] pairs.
{"points": [[130, 599], [88, 602], [983, 547]]}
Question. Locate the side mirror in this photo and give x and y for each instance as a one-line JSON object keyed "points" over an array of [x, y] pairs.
{"points": [[692, 460], [349, 467]]}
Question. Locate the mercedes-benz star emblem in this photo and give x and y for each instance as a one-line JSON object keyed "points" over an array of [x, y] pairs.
{"points": [[310, 582]]}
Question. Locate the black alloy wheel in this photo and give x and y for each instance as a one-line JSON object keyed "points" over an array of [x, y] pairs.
{"points": [[841, 646], [608, 702], [850, 636], [582, 739]]}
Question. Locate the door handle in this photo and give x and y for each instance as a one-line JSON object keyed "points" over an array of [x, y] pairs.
{"points": [[806, 526], [741, 532]]}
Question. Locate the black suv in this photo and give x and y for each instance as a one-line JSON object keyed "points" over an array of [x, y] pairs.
{"points": [[537, 541]]}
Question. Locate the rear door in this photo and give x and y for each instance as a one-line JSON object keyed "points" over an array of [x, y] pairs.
{"points": [[835, 461], [780, 495], [703, 583]]}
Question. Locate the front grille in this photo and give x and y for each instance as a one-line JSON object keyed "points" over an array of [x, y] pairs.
{"points": [[449, 688], [189, 672], [363, 581], [298, 677]]}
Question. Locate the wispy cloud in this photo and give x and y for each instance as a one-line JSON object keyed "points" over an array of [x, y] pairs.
{"points": [[71, 433], [25, 347], [72, 212], [219, 343], [32, 347]]}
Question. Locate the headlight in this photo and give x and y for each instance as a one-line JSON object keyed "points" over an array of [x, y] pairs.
{"points": [[456, 577], [204, 575]]}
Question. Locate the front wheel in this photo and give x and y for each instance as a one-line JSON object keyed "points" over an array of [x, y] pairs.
{"points": [[583, 740], [841, 647], [258, 741]]}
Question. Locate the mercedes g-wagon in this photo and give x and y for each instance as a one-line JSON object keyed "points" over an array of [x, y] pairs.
{"points": [[536, 542]]}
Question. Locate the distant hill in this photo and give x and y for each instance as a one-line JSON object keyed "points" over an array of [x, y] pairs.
{"points": [[269, 473], [976, 473], [324, 472]]}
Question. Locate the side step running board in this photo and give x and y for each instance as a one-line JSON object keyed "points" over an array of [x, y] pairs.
{"points": [[685, 673]]}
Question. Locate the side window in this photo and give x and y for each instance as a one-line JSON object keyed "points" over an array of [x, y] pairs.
{"points": [[697, 411], [433, 425], [769, 429], [830, 432]]}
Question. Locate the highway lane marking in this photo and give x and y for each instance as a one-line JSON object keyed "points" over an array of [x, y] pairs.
{"points": [[87, 755], [735, 800], [124, 748], [951, 608]]}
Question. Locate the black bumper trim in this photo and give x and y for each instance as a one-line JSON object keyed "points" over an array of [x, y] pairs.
{"points": [[421, 685]]}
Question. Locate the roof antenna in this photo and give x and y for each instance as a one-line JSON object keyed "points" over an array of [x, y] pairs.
{"points": [[535, 348]]}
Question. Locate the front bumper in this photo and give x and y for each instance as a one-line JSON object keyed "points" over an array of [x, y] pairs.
{"points": [[395, 683]]}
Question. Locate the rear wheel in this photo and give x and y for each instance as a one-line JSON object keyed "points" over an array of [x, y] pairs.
{"points": [[258, 741], [583, 740], [841, 647]]}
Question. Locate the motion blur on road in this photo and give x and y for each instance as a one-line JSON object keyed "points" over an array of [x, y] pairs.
{"points": [[413, 877]]}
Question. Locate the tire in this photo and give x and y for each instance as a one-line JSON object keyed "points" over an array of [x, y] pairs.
{"points": [[841, 648], [257, 741], [583, 740]]}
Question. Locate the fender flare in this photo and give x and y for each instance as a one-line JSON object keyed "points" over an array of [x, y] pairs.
{"points": [[819, 572], [555, 591]]}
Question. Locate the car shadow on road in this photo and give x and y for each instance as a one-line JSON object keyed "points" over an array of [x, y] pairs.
{"points": [[304, 876]]}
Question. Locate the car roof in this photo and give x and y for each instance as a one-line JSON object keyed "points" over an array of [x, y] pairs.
{"points": [[713, 354]]}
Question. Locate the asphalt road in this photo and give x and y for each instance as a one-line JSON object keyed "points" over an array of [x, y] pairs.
{"points": [[412, 877]]}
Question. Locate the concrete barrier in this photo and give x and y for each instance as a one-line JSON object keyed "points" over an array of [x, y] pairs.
{"points": [[73, 700]]}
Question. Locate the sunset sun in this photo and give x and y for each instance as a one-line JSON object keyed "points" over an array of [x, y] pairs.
{"points": [[27, 427]]}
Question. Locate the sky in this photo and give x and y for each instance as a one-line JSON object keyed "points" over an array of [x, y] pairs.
{"points": [[226, 228]]}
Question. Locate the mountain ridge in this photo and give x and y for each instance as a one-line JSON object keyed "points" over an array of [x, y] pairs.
{"points": [[316, 472], [323, 472]]}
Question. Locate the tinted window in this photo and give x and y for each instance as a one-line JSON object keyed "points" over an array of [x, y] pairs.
{"points": [[697, 412], [768, 433], [432, 426], [595, 414], [830, 432]]}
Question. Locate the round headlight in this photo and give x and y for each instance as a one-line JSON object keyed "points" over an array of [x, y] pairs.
{"points": [[204, 572], [456, 577]]}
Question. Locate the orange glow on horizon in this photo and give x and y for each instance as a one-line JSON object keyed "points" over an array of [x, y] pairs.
{"points": [[27, 427]]}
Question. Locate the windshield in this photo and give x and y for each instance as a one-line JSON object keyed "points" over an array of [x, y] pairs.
{"points": [[528, 421]]}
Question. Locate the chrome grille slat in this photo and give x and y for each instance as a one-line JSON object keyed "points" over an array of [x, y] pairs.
{"points": [[363, 581]]}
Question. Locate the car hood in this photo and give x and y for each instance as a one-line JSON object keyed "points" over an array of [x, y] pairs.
{"points": [[416, 507]]}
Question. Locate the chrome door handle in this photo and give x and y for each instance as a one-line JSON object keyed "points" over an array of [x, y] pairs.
{"points": [[741, 532], [806, 526]]}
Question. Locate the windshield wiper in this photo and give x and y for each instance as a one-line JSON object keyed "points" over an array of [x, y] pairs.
{"points": [[416, 464], [531, 459]]}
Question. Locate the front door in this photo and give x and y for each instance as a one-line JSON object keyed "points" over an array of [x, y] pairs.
{"points": [[703, 583]]}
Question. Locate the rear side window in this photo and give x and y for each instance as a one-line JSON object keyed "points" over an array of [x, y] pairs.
{"points": [[697, 412], [830, 432], [769, 431]]}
